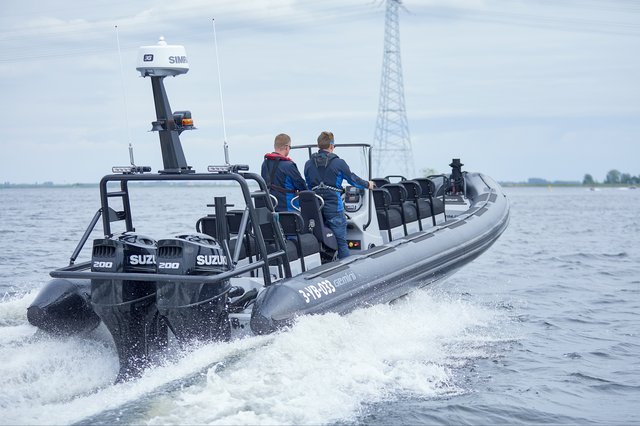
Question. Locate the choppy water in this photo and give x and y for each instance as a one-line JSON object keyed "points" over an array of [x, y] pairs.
{"points": [[543, 328]]}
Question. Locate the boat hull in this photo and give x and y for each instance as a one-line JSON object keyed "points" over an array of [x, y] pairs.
{"points": [[63, 307], [387, 272]]}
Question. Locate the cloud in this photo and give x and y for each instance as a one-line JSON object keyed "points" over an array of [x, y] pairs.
{"points": [[501, 84]]}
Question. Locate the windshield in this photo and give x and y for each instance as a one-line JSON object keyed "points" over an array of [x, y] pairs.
{"points": [[357, 156]]}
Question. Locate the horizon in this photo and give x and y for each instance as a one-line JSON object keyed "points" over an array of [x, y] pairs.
{"points": [[528, 181]]}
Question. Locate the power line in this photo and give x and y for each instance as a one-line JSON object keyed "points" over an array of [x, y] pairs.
{"points": [[553, 22], [69, 38], [392, 143]]}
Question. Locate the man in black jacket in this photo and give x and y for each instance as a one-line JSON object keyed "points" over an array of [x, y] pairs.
{"points": [[324, 173], [281, 173]]}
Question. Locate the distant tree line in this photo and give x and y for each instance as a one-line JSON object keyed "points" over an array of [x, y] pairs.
{"points": [[614, 177]]}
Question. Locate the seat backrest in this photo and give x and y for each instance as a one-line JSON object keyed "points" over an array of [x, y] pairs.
{"points": [[207, 225], [413, 189], [234, 218], [427, 186], [441, 184], [261, 202], [381, 198], [398, 178], [310, 208], [292, 223], [380, 182], [398, 193]]}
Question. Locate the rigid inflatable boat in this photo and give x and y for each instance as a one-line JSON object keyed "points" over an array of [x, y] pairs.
{"points": [[249, 269]]}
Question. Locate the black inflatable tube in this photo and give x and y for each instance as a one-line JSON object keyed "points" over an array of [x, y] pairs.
{"points": [[383, 275]]}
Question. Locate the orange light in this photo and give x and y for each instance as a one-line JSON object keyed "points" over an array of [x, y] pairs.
{"points": [[187, 121]]}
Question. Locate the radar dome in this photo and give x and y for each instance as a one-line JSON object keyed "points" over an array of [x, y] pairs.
{"points": [[162, 59]]}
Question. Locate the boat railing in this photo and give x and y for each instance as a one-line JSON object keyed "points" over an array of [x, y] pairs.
{"points": [[251, 218], [73, 271]]}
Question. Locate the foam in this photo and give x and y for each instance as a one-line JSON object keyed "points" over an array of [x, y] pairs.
{"points": [[325, 369]]}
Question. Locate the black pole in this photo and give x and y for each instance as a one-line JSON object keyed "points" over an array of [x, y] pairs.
{"points": [[173, 157]]}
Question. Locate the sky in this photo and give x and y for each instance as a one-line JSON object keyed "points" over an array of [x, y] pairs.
{"points": [[515, 88]]}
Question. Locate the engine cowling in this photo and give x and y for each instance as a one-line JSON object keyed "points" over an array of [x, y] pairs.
{"points": [[194, 311], [127, 307]]}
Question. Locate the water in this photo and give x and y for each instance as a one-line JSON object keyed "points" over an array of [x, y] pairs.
{"points": [[543, 328]]}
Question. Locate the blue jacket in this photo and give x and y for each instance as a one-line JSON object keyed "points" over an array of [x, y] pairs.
{"points": [[283, 179], [332, 170]]}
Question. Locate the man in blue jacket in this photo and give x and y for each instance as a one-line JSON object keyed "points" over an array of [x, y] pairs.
{"points": [[324, 173], [281, 173]]}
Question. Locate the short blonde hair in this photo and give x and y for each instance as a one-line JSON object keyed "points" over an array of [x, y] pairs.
{"points": [[325, 140], [282, 141]]}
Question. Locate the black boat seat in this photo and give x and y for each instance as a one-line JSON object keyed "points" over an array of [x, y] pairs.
{"points": [[292, 224], [429, 191], [408, 211], [308, 244], [292, 251], [414, 190], [441, 184], [303, 243], [207, 225], [313, 222], [399, 198], [380, 182], [388, 216], [250, 244], [294, 231], [399, 178], [422, 203], [299, 242]]}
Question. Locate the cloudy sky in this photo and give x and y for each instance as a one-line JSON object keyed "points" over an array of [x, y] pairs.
{"points": [[516, 88]]}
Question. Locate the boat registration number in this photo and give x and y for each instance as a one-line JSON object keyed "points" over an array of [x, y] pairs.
{"points": [[317, 290]]}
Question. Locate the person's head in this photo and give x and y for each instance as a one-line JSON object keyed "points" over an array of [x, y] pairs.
{"points": [[282, 144], [325, 140]]}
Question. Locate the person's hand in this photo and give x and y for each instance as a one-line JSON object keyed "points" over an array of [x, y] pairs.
{"points": [[371, 184]]}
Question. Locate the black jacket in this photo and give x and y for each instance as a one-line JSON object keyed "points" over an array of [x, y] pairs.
{"points": [[331, 170], [283, 179]]}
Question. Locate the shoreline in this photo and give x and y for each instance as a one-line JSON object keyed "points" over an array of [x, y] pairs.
{"points": [[199, 184]]}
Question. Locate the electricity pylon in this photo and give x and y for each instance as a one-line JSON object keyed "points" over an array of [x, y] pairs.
{"points": [[392, 144]]}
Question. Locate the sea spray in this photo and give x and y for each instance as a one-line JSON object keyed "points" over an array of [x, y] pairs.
{"points": [[329, 368]]}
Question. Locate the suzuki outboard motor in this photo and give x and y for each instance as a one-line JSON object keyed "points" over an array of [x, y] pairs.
{"points": [[127, 308], [194, 311]]}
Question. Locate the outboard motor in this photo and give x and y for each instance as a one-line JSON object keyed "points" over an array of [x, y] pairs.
{"points": [[128, 308], [457, 180], [193, 310]]}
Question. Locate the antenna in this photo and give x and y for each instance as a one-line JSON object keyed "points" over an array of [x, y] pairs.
{"points": [[224, 127], [124, 95], [133, 168]]}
